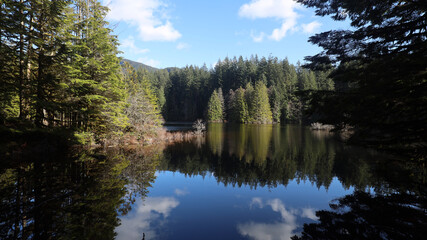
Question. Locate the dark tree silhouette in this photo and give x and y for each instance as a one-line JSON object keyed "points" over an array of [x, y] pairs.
{"points": [[380, 70], [365, 216]]}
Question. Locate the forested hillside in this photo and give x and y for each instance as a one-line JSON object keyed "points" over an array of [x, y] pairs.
{"points": [[137, 65]]}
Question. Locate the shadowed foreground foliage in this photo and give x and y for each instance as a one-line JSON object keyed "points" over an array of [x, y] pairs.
{"points": [[365, 216], [380, 71]]}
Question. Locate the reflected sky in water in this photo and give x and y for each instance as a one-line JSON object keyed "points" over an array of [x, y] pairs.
{"points": [[197, 207], [261, 182], [247, 182], [236, 182]]}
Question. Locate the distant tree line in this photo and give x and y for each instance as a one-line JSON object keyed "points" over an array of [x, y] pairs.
{"points": [[188, 93]]}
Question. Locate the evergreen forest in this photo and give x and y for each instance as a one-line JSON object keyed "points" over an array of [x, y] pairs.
{"points": [[95, 144], [273, 90], [60, 69]]}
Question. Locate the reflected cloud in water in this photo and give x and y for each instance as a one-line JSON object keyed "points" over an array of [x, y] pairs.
{"points": [[151, 210], [309, 213], [181, 192], [284, 229], [256, 202], [263, 231]]}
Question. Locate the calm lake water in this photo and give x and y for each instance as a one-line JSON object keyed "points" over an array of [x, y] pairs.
{"points": [[237, 182]]}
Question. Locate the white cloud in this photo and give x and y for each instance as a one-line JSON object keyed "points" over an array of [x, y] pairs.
{"points": [[149, 16], [149, 62], [129, 43], [279, 33], [282, 10], [133, 225], [257, 37], [311, 27], [182, 46]]}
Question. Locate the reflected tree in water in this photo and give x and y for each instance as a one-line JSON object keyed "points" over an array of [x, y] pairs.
{"points": [[49, 197], [294, 153], [250, 142], [215, 137], [50, 194], [258, 143], [271, 155], [140, 172], [237, 141]]}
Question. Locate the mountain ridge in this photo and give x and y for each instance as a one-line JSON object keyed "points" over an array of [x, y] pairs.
{"points": [[138, 65]]}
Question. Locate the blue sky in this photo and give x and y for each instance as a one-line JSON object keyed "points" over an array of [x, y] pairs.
{"points": [[176, 33]]}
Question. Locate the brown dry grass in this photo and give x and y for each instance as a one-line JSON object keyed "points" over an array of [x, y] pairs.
{"points": [[161, 137]]}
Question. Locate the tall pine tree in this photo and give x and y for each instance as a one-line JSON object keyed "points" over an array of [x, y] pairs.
{"points": [[260, 110], [215, 108]]}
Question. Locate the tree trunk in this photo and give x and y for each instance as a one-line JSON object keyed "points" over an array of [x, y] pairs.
{"points": [[22, 115], [27, 64]]}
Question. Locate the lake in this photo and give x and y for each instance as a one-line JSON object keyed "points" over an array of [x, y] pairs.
{"points": [[236, 182]]}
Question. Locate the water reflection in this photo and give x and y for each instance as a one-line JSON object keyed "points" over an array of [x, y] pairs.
{"points": [[284, 229], [272, 155], [249, 142], [366, 216], [53, 193], [140, 171], [150, 215], [237, 182], [278, 156], [49, 196], [215, 137]]}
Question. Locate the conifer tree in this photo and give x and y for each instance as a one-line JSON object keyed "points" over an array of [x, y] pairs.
{"points": [[9, 62], [249, 93], [96, 90], [30, 51], [47, 48], [230, 106], [260, 106], [215, 112], [241, 107], [276, 103], [222, 100], [382, 61], [142, 110]]}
